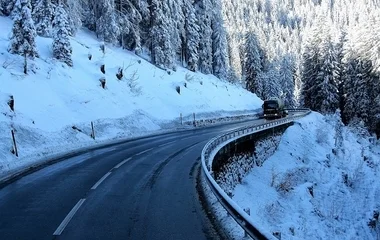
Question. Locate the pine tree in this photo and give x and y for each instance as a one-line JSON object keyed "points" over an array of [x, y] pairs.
{"points": [[270, 82], [7, 6], [43, 14], [129, 19], [161, 46], [357, 100], [177, 21], [62, 49], [205, 12], [192, 37], [253, 64], [107, 28], [325, 90], [219, 43], [23, 41], [74, 10], [286, 81]]}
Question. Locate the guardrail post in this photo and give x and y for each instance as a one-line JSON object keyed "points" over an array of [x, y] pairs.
{"points": [[248, 211], [14, 151]]}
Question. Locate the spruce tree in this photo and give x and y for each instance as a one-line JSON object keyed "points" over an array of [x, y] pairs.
{"points": [[253, 65], [43, 14], [325, 91], [286, 80], [107, 28], [177, 21], [7, 6], [219, 43], [270, 82], [62, 49], [161, 46], [23, 36], [129, 19], [205, 13], [192, 37]]}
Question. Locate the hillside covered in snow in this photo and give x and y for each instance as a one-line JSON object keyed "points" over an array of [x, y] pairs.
{"points": [[54, 104], [320, 181]]}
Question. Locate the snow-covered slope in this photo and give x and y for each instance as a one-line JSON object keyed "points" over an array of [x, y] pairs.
{"points": [[54, 97], [305, 191]]}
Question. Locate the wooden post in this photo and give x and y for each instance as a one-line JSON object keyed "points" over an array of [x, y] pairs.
{"points": [[14, 143], [92, 131]]}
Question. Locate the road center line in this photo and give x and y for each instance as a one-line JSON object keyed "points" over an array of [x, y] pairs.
{"points": [[165, 144], [144, 151], [100, 181], [67, 219], [119, 165]]}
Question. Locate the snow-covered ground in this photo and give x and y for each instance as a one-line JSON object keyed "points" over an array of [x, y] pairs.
{"points": [[305, 191], [53, 98]]}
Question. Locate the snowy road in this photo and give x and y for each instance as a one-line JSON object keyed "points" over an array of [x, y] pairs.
{"points": [[142, 189]]}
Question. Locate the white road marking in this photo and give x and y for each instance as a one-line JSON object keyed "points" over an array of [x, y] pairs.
{"points": [[100, 181], [68, 218], [120, 164], [144, 151], [165, 144], [187, 137]]}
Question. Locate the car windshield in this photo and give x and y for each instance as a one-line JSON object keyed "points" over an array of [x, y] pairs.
{"points": [[270, 104]]}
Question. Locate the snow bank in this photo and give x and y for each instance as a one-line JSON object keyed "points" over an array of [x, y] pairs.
{"points": [[305, 191]]}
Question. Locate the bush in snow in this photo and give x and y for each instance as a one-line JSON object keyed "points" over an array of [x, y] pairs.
{"points": [[11, 103], [103, 68], [103, 82], [133, 85], [119, 73], [61, 42], [23, 36]]}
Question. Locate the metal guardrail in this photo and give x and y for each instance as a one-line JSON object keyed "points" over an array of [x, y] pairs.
{"points": [[207, 158]]}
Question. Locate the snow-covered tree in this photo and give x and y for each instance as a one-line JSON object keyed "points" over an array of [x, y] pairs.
{"points": [[43, 14], [177, 21], [62, 49], [286, 80], [357, 98], [205, 13], [219, 43], [107, 28], [161, 46], [192, 37], [253, 64], [23, 36], [7, 6], [270, 81], [325, 91], [129, 18]]}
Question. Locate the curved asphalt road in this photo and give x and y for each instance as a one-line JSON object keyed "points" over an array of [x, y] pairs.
{"points": [[142, 189]]}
